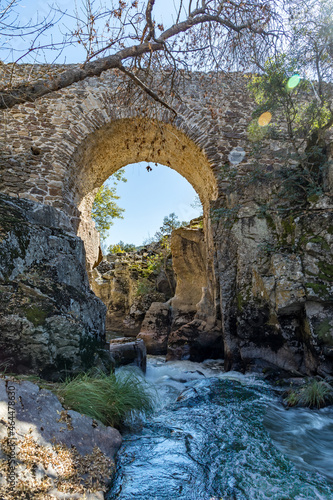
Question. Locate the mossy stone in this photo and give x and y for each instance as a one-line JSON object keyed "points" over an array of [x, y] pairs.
{"points": [[323, 331], [35, 315]]}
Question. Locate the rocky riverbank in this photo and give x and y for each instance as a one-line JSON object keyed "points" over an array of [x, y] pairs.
{"points": [[57, 453]]}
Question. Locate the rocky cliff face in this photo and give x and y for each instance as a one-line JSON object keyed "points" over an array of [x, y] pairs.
{"points": [[276, 278], [50, 321], [186, 326], [273, 276], [121, 281]]}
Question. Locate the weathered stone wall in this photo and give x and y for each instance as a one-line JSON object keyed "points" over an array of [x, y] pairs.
{"points": [[60, 148]]}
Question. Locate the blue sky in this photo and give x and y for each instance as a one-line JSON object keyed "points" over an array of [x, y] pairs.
{"points": [[147, 198]]}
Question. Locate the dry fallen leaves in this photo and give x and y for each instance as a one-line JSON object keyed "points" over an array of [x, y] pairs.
{"points": [[43, 468]]}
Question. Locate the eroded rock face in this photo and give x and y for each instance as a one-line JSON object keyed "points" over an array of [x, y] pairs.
{"points": [[50, 321], [195, 332], [118, 282], [155, 328], [185, 327], [276, 287]]}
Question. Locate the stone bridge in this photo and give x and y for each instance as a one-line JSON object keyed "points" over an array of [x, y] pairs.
{"points": [[57, 151]]}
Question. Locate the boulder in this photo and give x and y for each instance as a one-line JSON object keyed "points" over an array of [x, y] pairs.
{"points": [[126, 351], [44, 433], [51, 323], [155, 328], [194, 342]]}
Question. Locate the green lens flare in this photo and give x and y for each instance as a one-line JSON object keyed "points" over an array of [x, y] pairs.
{"points": [[293, 81]]}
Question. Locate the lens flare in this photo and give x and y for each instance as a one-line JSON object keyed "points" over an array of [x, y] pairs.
{"points": [[293, 81], [236, 155], [264, 119]]}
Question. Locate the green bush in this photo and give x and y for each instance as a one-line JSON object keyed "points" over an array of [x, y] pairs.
{"points": [[145, 287], [121, 247], [108, 398], [313, 394]]}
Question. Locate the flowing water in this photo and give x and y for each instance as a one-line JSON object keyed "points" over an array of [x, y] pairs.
{"points": [[218, 435]]}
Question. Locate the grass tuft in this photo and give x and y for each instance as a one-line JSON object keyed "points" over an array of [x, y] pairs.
{"points": [[313, 394], [107, 398]]}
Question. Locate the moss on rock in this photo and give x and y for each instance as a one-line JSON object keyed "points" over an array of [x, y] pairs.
{"points": [[323, 331]]}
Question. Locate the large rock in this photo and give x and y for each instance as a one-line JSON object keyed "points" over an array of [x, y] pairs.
{"points": [[189, 264], [51, 323], [195, 331], [119, 283], [276, 286], [156, 327], [194, 342], [127, 351], [41, 425]]}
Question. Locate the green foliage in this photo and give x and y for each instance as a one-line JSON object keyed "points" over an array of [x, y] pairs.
{"points": [[304, 107], [154, 263], [313, 394], [323, 330], [304, 121], [319, 289], [326, 273], [170, 222], [146, 272], [256, 133], [197, 204], [105, 208], [121, 247], [36, 315], [145, 287], [108, 398], [226, 215]]}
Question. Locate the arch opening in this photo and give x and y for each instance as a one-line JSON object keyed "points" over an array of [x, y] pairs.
{"points": [[127, 141]]}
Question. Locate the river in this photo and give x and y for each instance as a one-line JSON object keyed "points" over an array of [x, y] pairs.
{"points": [[216, 435]]}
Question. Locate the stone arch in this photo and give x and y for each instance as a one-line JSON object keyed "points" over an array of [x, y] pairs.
{"points": [[127, 141], [48, 138], [132, 140]]}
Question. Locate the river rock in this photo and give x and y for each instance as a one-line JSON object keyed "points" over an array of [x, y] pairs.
{"points": [[126, 351], [43, 423]]}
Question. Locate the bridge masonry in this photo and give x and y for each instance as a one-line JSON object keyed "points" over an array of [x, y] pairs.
{"points": [[40, 139], [58, 151]]}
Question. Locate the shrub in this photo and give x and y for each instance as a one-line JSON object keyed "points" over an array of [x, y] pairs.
{"points": [[121, 247], [106, 397], [313, 394]]}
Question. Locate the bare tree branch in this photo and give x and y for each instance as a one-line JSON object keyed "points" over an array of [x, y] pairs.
{"points": [[208, 14], [147, 90]]}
